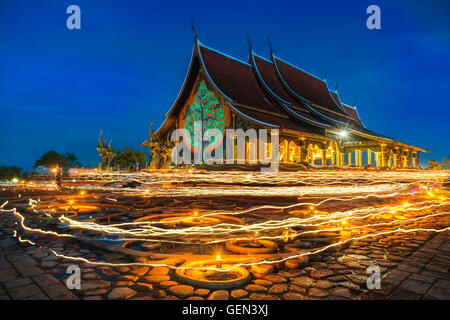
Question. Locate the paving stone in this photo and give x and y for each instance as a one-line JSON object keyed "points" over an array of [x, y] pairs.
{"points": [[121, 293], [321, 273], [415, 286], [259, 296], [261, 269], [239, 294], [275, 278], [123, 269], [399, 294], [340, 292], [29, 271], [436, 293], [93, 298], [219, 295], [350, 285], [278, 289], [139, 271], [90, 276], [16, 283], [96, 292], [358, 279], [315, 292], [155, 279], [159, 271], [297, 289], [324, 284], [94, 284], [293, 296], [255, 288], [45, 280], [127, 277], [194, 298], [263, 282], [422, 277], [201, 292], [142, 286], [59, 292], [303, 281], [181, 291], [37, 297], [165, 284], [24, 292], [6, 275]]}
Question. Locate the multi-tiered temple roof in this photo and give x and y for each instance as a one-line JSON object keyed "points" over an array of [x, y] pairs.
{"points": [[273, 93]]}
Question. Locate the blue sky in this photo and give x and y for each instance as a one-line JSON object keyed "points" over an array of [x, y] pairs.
{"points": [[58, 87]]}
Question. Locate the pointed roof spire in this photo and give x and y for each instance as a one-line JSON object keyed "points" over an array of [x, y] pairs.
{"points": [[325, 75], [193, 29], [249, 42], [337, 85], [355, 102], [270, 46]]}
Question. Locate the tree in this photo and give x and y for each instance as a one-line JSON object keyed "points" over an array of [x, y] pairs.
{"points": [[445, 164], [129, 159], [207, 109], [53, 158], [10, 172]]}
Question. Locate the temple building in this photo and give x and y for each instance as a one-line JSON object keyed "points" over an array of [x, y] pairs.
{"points": [[314, 125]]}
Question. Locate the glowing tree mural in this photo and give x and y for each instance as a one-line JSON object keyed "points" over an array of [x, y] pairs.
{"points": [[207, 109]]}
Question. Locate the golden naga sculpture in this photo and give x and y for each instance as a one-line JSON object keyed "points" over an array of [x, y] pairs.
{"points": [[433, 165], [161, 150], [106, 152]]}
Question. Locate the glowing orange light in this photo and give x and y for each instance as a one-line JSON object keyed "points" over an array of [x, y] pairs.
{"points": [[218, 261], [82, 192], [54, 170]]}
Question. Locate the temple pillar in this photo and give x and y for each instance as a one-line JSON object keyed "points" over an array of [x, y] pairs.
{"points": [[349, 163], [341, 159], [396, 158], [369, 157], [324, 157], [359, 152], [285, 151], [383, 155], [310, 155], [333, 159], [414, 159], [338, 157]]}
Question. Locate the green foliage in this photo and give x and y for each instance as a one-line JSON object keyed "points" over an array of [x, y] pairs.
{"points": [[10, 172], [445, 164], [207, 108], [53, 158], [128, 158]]}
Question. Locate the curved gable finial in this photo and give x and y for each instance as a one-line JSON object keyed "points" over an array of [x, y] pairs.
{"points": [[249, 42], [193, 29], [270, 46], [337, 85]]}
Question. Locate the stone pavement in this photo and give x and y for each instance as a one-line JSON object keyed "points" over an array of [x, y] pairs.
{"points": [[423, 275], [21, 278]]}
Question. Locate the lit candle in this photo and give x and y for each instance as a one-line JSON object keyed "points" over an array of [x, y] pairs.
{"points": [[255, 239], [218, 262]]}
